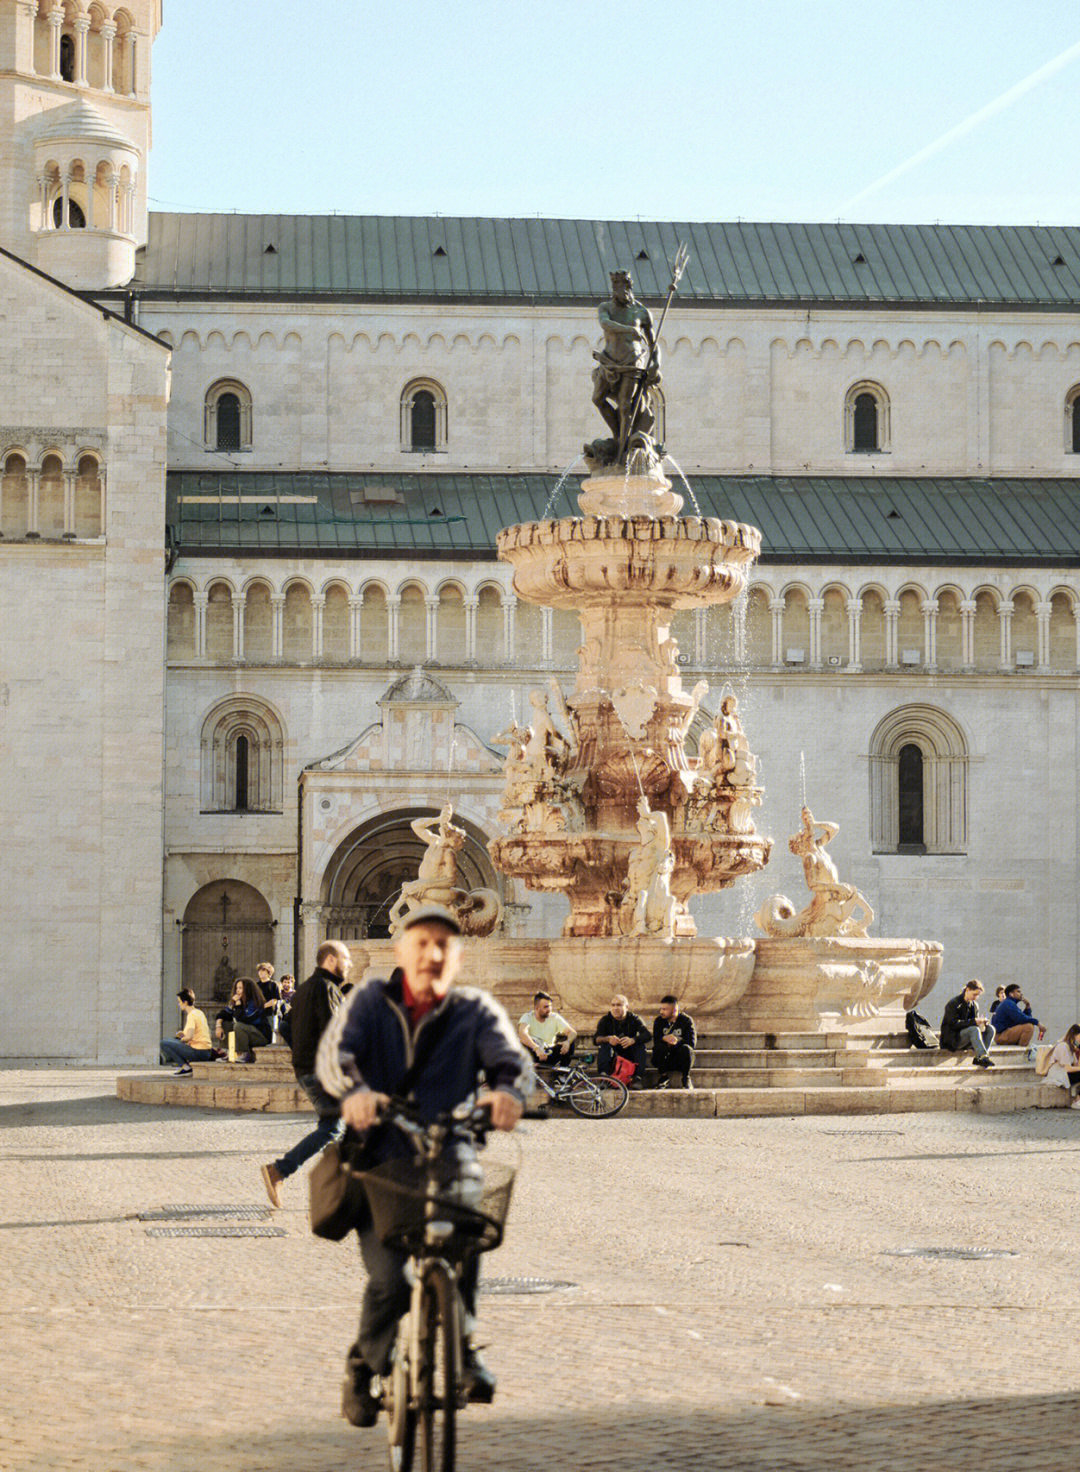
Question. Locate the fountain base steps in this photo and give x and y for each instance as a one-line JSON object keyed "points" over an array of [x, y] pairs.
{"points": [[734, 1075]]}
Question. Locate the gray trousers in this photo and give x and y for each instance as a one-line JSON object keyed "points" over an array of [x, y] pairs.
{"points": [[980, 1043], [386, 1299]]}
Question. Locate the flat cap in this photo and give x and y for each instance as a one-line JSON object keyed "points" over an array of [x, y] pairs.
{"points": [[431, 915]]}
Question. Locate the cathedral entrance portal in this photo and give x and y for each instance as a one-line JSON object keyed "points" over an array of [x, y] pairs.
{"points": [[365, 875], [228, 929]]}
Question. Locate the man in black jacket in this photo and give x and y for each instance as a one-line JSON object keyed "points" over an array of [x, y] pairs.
{"points": [[674, 1041], [314, 1003], [621, 1033], [962, 1027]]}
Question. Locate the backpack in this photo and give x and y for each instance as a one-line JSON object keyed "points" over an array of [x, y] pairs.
{"points": [[920, 1033]]}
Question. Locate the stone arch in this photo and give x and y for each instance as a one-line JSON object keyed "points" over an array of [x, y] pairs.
{"points": [[227, 415], [14, 496], [943, 761], [228, 928], [424, 418], [367, 869], [227, 786], [867, 418], [180, 635]]}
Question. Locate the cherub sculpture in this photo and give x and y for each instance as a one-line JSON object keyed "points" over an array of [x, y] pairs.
{"points": [[436, 882]]}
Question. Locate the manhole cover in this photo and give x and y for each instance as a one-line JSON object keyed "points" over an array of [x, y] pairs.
{"points": [[523, 1285], [185, 1213], [951, 1254], [239, 1230]]}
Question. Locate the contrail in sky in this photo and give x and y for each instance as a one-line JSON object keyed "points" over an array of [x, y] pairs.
{"points": [[990, 110]]}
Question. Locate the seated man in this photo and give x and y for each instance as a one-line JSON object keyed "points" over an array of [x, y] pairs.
{"points": [[1013, 1021], [547, 1034], [674, 1041], [193, 1040], [962, 1027], [621, 1033]]}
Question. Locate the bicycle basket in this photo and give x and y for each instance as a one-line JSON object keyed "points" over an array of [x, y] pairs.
{"points": [[397, 1194]]}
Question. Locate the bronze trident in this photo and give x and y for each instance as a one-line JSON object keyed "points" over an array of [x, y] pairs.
{"points": [[682, 258]]}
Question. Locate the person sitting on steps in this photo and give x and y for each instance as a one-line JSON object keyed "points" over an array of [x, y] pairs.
{"points": [[192, 1043], [546, 1034], [245, 1016], [621, 1033], [1012, 1018], [962, 1027], [674, 1041]]}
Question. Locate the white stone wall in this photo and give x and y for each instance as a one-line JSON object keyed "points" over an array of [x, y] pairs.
{"points": [[762, 392], [81, 693]]}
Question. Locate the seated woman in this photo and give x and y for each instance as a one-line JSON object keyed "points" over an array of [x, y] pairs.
{"points": [[246, 1017], [192, 1042], [1063, 1065]]}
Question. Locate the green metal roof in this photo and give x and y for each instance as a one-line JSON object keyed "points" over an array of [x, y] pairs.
{"points": [[802, 518], [436, 258]]}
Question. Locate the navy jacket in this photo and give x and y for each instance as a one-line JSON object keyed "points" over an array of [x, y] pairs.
{"points": [[369, 1045], [1008, 1014]]}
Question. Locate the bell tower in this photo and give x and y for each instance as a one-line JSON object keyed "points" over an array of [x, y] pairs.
{"points": [[75, 135]]}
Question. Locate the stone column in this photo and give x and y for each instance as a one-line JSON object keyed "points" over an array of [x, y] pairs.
{"points": [[967, 634], [854, 634], [113, 182], [355, 606], [892, 633], [108, 36], [238, 627], [65, 192], [318, 608], [200, 600], [471, 604], [128, 212], [33, 480], [431, 629], [1043, 612], [102, 498], [56, 21], [70, 477], [43, 197], [91, 180], [277, 625], [25, 15], [546, 635], [776, 608], [82, 26], [816, 607], [509, 610], [393, 627], [1005, 613], [133, 61], [930, 613]]}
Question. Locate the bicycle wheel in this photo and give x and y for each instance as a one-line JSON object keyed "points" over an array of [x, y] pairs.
{"points": [[597, 1098], [400, 1416], [436, 1372]]}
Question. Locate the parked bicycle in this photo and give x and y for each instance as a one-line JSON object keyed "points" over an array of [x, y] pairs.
{"points": [[596, 1097], [442, 1209]]}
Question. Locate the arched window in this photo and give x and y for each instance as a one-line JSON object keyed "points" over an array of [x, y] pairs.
{"points": [[76, 214], [1072, 421], [918, 783], [240, 765], [910, 809], [227, 416], [423, 417], [242, 757], [67, 58], [866, 419]]}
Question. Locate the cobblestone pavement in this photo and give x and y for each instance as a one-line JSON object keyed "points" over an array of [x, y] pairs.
{"points": [[736, 1304]]}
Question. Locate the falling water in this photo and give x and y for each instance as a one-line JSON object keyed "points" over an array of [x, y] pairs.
{"points": [[802, 777], [450, 764], [677, 468], [567, 473]]}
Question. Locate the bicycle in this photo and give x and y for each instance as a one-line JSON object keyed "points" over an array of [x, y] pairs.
{"points": [[595, 1098], [441, 1209]]}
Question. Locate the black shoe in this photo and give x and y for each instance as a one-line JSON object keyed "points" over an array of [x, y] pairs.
{"points": [[662, 1081], [478, 1380], [358, 1405], [983, 1062], [686, 1081]]}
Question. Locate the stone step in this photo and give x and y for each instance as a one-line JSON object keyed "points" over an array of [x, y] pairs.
{"points": [[972, 1095]]}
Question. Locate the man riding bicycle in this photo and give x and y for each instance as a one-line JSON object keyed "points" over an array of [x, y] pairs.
{"points": [[415, 1034]]}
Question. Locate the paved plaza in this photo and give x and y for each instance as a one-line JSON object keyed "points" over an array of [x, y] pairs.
{"points": [[743, 1296]]}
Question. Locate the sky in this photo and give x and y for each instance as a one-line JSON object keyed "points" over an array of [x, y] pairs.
{"points": [[904, 111]]}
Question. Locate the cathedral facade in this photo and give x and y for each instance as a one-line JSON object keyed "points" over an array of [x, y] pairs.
{"points": [[254, 626]]}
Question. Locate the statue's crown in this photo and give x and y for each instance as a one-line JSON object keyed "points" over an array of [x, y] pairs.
{"points": [[620, 276]]}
